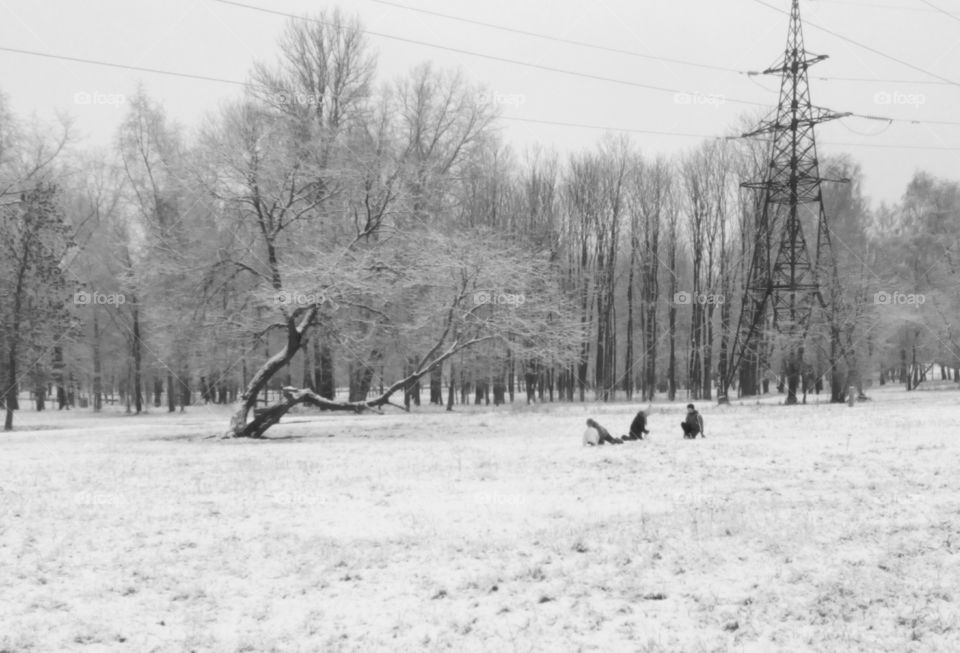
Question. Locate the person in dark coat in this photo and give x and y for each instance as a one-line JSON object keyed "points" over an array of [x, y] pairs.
{"points": [[693, 424], [638, 427], [596, 434]]}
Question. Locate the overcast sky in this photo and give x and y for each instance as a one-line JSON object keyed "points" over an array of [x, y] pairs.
{"points": [[206, 37]]}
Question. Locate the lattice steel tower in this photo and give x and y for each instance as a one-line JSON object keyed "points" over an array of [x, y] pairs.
{"points": [[783, 282]]}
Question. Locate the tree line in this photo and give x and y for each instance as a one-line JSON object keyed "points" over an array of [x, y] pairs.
{"points": [[338, 241]]}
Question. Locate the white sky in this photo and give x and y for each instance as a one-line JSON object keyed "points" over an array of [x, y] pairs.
{"points": [[208, 38]]}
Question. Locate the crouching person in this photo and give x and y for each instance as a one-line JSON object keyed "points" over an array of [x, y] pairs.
{"points": [[638, 427], [596, 435], [693, 424]]}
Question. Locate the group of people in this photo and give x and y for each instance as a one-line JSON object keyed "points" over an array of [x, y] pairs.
{"points": [[595, 434]]}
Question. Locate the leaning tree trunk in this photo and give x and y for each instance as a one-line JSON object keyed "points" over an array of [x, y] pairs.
{"points": [[239, 427]]}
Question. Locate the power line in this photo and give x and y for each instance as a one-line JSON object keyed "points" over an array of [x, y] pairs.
{"points": [[158, 71], [906, 120], [874, 80], [874, 5], [562, 70], [595, 46], [603, 128], [904, 146], [942, 11], [221, 80], [517, 62], [897, 146], [865, 47], [110, 64], [558, 39]]}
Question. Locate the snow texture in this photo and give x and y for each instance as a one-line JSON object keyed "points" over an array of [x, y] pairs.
{"points": [[807, 528]]}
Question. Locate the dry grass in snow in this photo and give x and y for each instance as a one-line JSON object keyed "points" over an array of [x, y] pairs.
{"points": [[811, 528]]}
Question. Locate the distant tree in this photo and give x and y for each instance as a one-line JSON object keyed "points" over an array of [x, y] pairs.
{"points": [[915, 256], [656, 202], [33, 316], [34, 238]]}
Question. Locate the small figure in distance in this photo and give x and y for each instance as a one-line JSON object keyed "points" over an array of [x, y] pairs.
{"points": [[638, 427], [596, 435], [693, 424]]}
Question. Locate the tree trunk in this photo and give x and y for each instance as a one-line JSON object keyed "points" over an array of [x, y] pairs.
{"points": [[723, 388], [651, 295], [707, 380], [97, 370], [310, 375], [451, 389], [10, 389], [904, 376], [836, 382], [137, 360], [672, 316], [361, 378], [239, 427], [436, 386], [511, 374], [185, 398], [171, 393], [58, 380]]}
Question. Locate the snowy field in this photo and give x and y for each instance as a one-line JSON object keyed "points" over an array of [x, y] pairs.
{"points": [[812, 528]]}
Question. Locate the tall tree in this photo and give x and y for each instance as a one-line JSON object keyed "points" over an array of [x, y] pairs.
{"points": [[33, 236]]}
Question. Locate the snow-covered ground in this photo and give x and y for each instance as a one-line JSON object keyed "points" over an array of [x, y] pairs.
{"points": [[811, 528]]}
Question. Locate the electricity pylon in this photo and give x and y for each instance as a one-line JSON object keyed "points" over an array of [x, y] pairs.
{"points": [[784, 281]]}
